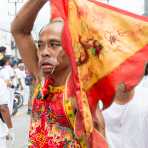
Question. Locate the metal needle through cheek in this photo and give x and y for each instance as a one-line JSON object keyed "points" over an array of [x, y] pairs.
{"points": [[53, 69]]}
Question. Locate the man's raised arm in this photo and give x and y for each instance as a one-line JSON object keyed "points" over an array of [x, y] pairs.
{"points": [[21, 28]]}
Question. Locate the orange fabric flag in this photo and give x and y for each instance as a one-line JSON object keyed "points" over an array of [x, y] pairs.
{"points": [[108, 50]]}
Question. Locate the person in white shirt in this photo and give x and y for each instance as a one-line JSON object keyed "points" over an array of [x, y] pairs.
{"points": [[7, 74], [21, 74], [143, 85], [5, 119], [2, 53], [144, 81], [126, 120]]}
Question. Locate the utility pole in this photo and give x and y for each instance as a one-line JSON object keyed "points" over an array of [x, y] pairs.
{"points": [[15, 3], [107, 1], [146, 7]]}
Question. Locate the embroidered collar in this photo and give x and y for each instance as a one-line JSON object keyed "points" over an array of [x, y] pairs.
{"points": [[56, 89], [47, 89]]}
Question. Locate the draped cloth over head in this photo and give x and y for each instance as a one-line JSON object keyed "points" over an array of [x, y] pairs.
{"points": [[108, 50]]}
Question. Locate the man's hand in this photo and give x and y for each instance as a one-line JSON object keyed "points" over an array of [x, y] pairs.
{"points": [[8, 83], [99, 123], [11, 135]]}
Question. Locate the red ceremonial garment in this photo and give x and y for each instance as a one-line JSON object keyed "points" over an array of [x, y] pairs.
{"points": [[50, 125]]}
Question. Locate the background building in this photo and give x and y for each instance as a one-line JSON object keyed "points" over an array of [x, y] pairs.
{"points": [[146, 7]]}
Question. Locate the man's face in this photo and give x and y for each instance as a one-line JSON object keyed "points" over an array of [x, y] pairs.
{"points": [[51, 55]]}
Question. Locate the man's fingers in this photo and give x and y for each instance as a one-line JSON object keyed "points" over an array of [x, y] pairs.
{"points": [[99, 123]]}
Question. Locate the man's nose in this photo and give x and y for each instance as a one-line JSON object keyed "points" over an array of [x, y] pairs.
{"points": [[47, 51]]}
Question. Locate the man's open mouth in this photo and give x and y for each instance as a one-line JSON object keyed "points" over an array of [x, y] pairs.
{"points": [[46, 67]]}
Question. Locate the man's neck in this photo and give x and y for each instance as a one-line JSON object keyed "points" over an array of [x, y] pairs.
{"points": [[124, 98], [61, 77]]}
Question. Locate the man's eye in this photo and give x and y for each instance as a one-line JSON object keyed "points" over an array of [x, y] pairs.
{"points": [[40, 45], [55, 45]]}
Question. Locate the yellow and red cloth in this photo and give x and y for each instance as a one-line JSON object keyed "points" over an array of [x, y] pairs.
{"points": [[108, 49]]}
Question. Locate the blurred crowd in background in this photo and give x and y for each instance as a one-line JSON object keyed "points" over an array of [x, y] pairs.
{"points": [[18, 80]]}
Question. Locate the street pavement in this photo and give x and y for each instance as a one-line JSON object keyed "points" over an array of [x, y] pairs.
{"points": [[21, 123]]}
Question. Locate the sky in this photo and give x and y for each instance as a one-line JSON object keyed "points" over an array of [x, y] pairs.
{"points": [[135, 6]]}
